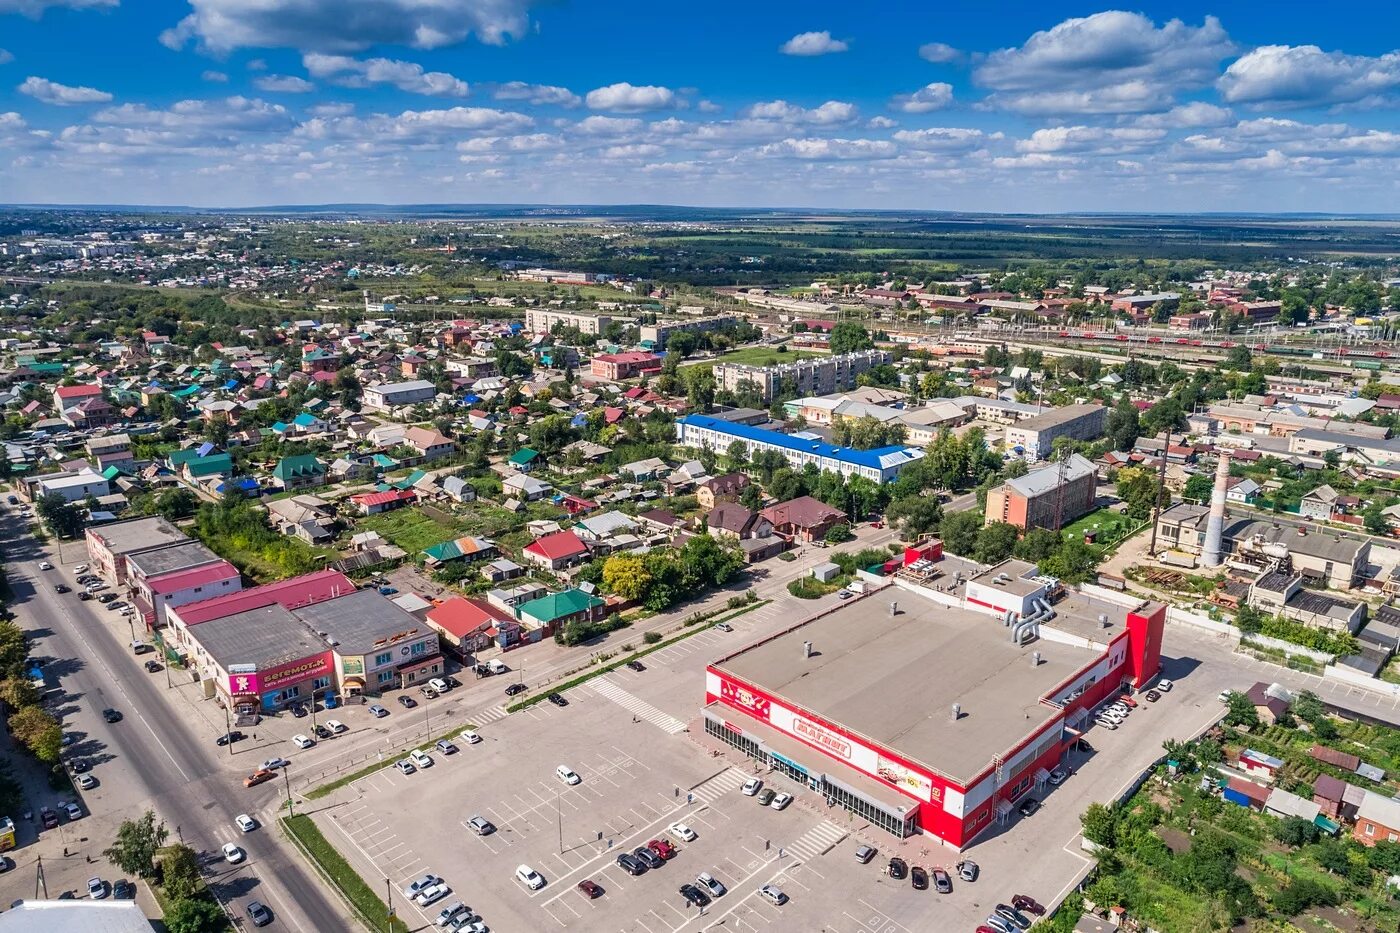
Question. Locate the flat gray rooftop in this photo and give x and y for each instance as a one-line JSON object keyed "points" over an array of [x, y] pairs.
{"points": [[360, 621], [263, 636], [162, 560], [894, 680], [138, 534], [1016, 570]]}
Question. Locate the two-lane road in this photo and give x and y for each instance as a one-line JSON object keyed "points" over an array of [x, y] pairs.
{"points": [[152, 759]]}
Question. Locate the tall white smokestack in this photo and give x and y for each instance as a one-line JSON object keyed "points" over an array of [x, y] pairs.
{"points": [[1215, 526]]}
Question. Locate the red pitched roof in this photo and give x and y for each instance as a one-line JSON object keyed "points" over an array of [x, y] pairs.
{"points": [[560, 545], [196, 576], [67, 392], [379, 498], [290, 594], [460, 617]]}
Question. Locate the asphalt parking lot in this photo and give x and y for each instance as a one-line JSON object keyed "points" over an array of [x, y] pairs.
{"points": [[634, 740]]}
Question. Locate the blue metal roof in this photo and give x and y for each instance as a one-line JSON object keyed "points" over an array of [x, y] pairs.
{"points": [[864, 458]]}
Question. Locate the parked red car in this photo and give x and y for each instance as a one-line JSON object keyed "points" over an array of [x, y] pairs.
{"points": [[590, 889], [662, 848], [1128, 701]]}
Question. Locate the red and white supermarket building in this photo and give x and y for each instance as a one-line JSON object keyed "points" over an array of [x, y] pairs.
{"points": [[858, 703]]}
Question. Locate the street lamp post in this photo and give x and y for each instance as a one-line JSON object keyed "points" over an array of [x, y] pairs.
{"points": [[287, 780], [228, 731]]}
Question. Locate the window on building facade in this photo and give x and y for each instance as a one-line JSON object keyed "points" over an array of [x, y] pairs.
{"points": [[382, 659]]}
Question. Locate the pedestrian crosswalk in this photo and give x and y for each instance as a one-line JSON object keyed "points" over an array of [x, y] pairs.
{"points": [[716, 787], [489, 715], [636, 706], [816, 841]]}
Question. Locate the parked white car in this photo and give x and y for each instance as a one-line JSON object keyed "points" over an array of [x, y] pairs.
{"points": [[421, 758], [529, 877], [232, 853], [1164, 685], [567, 775], [302, 741], [682, 832]]}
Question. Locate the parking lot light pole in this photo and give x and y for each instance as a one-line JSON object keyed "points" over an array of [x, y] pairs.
{"points": [[559, 817], [287, 780]]}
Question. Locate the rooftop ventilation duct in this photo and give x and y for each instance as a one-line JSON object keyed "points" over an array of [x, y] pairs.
{"points": [[956, 712], [806, 649]]}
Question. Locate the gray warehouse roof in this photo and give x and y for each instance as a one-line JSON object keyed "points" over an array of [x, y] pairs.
{"points": [[162, 560], [894, 680], [262, 636], [75, 916], [137, 534], [359, 622], [1054, 417]]}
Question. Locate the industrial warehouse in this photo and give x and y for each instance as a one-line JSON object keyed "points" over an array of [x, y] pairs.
{"points": [[931, 712]]}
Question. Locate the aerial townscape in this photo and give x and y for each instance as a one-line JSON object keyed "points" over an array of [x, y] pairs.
{"points": [[478, 466]]}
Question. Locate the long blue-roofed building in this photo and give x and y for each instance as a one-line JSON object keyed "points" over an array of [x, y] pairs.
{"points": [[881, 465]]}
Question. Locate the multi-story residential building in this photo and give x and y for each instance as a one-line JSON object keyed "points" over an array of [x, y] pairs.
{"points": [[1036, 435], [1037, 499], [656, 335], [542, 320], [618, 366], [880, 465], [817, 376], [109, 545], [392, 395]]}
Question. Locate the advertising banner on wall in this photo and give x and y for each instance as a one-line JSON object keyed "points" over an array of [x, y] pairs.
{"points": [[275, 678]]}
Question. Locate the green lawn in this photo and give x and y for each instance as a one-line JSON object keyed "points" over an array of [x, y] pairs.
{"points": [[760, 356], [413, 530], [1109, 524]]}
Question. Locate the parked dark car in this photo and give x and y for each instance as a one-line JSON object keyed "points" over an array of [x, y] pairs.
{"points": [[1029, 807], [513, 689], [112, 715], [898, 869], [322, 732], [557, 700], [299, 711], [647, 857], [452, 682], [630, 865], [407, 702], [1017, 918], [62, 588], [590, 889], [918, 878], [152, 667], [637, 666], [85, 596], [229, 738], [694, 895], [942, 883], [1028, 904], [124, 890]]}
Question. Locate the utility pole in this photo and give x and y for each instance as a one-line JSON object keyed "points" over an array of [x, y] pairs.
{"points": [[40, 883], [559, 818], [287, 780], [389, 891], [228, 731]]}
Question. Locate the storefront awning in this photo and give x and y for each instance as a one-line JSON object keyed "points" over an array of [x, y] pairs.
{"points": [[419, 665]]}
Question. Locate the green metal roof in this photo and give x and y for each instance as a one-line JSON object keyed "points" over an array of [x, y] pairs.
{"points": [[523, 455], [289, 468], [557, 605]]}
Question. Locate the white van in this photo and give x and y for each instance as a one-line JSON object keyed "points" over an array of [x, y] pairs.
{"points": [[496, 666]]}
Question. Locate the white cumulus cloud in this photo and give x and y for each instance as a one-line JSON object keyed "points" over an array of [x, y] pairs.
{"points": [[813, 43], [1306, 76], [828, 114], [826, 150], [1110, 62], [6, 56], [1088, 138], [939, 52], [930, 97], [62, 95], [1186, 116], [36, 8], [944, 138], [406, 76], [629, 98], [284, 84], [217, 77], [345, 26], [539, 94]]}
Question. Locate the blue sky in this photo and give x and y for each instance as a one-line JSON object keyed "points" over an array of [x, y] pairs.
{"points": [[1006, 106]]}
